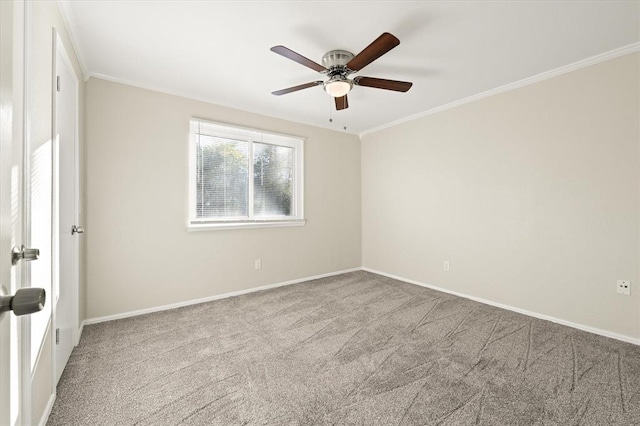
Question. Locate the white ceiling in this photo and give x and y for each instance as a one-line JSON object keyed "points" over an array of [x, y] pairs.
{"points": [[218, 51]]}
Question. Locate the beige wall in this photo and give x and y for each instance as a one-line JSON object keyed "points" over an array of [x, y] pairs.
{"points": [[533, 196], [139, 252], [44, 17]]}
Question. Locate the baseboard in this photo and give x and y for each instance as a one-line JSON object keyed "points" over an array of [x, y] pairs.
{"points": [[210, 298], [582, 327], [586, 328], [47, 411], [80, 330]]}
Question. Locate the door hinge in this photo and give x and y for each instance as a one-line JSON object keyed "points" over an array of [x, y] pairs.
{"points": [[57, 83], [57, 336]]}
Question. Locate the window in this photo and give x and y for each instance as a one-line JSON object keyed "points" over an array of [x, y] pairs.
{"points": [[243, 177]]}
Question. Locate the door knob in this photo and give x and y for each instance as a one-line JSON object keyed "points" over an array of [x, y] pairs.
{"points": [[77, 230], [23, 253], [25, 301]]}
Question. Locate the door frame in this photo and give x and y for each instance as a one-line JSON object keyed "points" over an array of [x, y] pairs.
{"points": [[58, 48], [25, 356], [19, 105]]}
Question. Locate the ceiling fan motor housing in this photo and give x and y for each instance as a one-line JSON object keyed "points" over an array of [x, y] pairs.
{"points": [[336, 61]]}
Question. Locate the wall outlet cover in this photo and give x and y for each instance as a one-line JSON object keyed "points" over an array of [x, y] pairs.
{"points": [[624, 287]]}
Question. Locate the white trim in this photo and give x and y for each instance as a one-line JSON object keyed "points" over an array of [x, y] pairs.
{"points": [[47, 410], [222, 226], [79, 333], [43, 347], [54, 206], [207, 100], [24, 280], [603, 57], [211, 298], [201, 127], [70, 23], [586, 328], [59, 48], [222, 129]]}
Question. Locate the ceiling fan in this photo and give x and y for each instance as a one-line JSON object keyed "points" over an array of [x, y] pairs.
{"points": [[339, 64]]}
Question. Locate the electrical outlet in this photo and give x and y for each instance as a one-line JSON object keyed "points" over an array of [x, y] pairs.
{"points": [[258, 264], [445, 265], [624, 287]]}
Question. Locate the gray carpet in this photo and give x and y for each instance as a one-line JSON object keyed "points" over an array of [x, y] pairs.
{"points": [[355, 349]]}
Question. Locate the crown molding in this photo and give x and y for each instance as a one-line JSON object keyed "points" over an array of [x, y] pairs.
{"points": [[204, 99], [70, 22], [603, 57]]}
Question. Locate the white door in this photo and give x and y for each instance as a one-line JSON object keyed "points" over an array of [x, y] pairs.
{"points": [[12, 357], [66, 206]]}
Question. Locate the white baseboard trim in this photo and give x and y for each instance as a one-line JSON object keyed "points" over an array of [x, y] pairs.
{"points": [[47, 411], [582, 327], [211, 298], [80, 330], [586, 328]]}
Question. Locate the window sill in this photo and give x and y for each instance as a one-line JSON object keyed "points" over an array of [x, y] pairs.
{"points": [[244, 225]]}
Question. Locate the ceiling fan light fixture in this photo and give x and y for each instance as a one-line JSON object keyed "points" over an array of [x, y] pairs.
{"points": [[338, 87], [338, 65]]}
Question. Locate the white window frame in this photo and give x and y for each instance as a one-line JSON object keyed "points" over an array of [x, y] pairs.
{"points": [[211, 128]]}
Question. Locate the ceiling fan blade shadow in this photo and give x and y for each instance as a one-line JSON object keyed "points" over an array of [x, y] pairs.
{"points": [[342, 103], [381, 83], [296, 57], [379, 47], [296, 88]]}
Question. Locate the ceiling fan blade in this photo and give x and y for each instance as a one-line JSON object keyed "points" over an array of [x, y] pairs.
{"points": [[381, 83], [342, 103], [379, 47], [296, 57], [296, 88]]}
